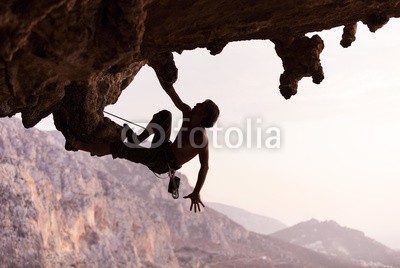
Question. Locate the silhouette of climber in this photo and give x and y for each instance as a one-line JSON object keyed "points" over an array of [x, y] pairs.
{"points": [[163, 155]]}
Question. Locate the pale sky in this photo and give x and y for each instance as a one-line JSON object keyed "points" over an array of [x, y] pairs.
{"points": [[339, 140]]}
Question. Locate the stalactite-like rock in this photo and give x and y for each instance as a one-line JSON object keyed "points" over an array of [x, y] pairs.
{"points": [[376, 21], [73, 58], [300, 58], [216, 48], [349, 35]]}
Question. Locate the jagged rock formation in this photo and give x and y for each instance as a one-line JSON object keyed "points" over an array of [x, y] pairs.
{"points": [[73, 58], [63, 209]]}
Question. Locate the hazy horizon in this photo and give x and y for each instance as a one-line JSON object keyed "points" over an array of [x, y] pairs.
{"points": [[337, 159]]}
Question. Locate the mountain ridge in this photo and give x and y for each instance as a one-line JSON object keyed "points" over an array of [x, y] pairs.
{"points": [[251, 221], [330, 238]]}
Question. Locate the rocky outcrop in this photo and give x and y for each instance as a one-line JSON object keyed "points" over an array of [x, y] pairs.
{"points": [[63, 209], [70, 58], [73, 58]]}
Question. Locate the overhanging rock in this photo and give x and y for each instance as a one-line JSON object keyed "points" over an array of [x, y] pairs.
{"points": [[73, 58]]}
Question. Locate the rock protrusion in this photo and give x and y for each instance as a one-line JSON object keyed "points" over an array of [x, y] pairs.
{"points": [[349, 35], [216, 48], [376, 21], [165, 68], [300, 58]]}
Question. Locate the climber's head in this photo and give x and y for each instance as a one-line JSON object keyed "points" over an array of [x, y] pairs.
{"points": [[208, 111]]}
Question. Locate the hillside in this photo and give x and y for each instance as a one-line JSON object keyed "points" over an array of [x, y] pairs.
{"points": [[60, 209]]}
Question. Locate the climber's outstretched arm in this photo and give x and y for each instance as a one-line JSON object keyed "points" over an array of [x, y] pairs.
{"points": [[177, 100], [203, 157]]}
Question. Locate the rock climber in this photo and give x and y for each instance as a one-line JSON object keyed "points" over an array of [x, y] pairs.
{"points": [[162, 156]]}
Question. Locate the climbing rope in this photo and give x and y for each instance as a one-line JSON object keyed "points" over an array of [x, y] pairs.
{"points": [[116, 116]]}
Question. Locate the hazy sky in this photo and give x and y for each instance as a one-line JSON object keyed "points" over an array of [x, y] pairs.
{"points": [[339, 140]]}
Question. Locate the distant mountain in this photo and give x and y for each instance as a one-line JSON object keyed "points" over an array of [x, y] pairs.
{"points": [[67, 209], [330, 238], [250, 221]]}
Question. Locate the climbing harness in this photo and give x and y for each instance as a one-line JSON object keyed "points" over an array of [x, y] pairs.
{"points": [[174, 181]]}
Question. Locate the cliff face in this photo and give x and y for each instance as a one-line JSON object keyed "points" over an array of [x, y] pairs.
{"points": [[73, 58], [61, 209]]}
